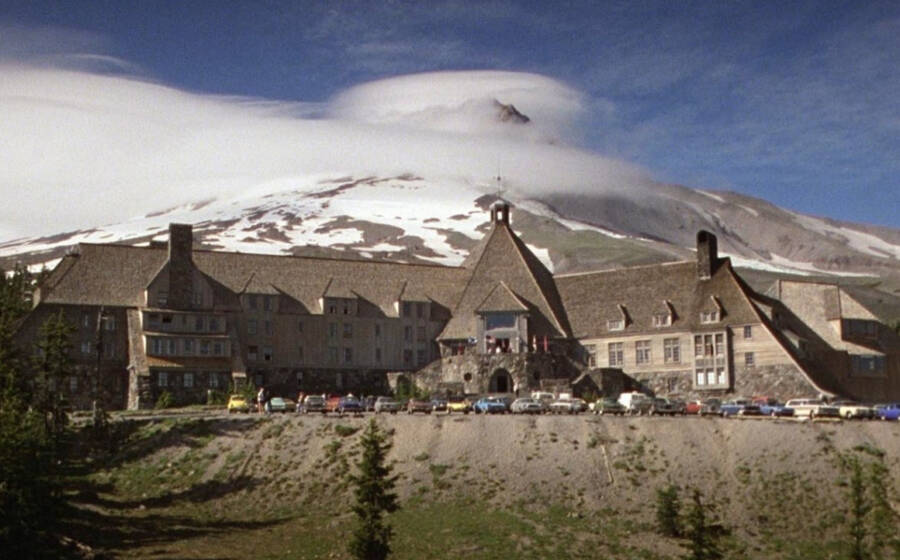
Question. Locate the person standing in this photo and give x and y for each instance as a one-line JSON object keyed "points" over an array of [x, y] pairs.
{"points": [[261, 399]]}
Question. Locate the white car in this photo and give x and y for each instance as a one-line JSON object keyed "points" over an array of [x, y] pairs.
{"points": [[852, 410], [635, 402], [526, 406], [812, 408]]}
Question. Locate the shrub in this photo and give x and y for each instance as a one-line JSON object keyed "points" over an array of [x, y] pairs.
{"points": [[165, 400], [668, 506]]}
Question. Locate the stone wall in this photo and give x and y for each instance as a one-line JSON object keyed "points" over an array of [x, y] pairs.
{"points": [[473, 372]]}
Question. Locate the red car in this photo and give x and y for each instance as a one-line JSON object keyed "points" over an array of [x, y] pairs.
{"points": [[692, 407]]}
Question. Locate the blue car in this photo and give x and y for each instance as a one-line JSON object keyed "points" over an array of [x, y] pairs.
{"points": [[772, 407], [889, 411], [739, 407], [490, 405], [350, 405]]}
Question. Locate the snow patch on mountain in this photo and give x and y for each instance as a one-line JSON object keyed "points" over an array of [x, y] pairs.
{"points": [[858, 240]]}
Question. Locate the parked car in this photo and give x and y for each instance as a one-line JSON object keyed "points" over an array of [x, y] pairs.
{"points": [[368, 403], [692, 407], [565, 406], [386, 404], [710, 406], [489, 405], [889, 411], [608, 405], [237, 403], [526, 406], [278, 404], [439, 405], [312, 403], [850, 410], [661, 406], [771, 407], [418, 405], [813, 408], [739, 407], [635, 402], [544, 397], [679, 405], [350, 405], [458, 404]]}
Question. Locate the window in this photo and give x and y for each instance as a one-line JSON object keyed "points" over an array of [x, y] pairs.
{"points": [[268, 326], [348, 355], [300, 357], [198, 323], [267, 303], [499, 321], [720, 344], [590, 351], [867, 364], [671, 384], [162, 379], [299, 326], [859, 327], [421, 357], [616, 354], [615, 325], [377, 330], [153, 319], [214, 324], [332, 308], [251, 299], [749, 359], [642, 352], [204, 348], [707, 317], [710, 377], [167, 319], [346, 308], [420, 310], [720, 372], [87, 347], [252, 352], [662, 320], [332, 354], [162, 298], [73, 383], [188, 379], [672, 351], [218, 349], [214, 380], [701, 378], [155, 346], [407, 309], [252, 326], [267, 353], [348, 330], [407, 357], [748, 331], [378, 355], [420, 334], [188, 346], [332, 331], [407, 334], [85, 319], [109, 322], [172, 347], [198, 297]]}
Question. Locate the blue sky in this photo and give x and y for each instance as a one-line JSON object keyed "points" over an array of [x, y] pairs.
{"points": [[794, 102]]}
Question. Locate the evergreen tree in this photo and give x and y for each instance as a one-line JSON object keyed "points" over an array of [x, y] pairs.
{"points": [[703, 545], [885, 542], [374, 497], [668, 506], [15, 301], [53, 364]]}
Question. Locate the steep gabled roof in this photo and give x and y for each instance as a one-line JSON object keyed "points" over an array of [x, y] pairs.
{"points": [[255, 285], [503, 257], [116, 275], [501, 299], [592, 299]]}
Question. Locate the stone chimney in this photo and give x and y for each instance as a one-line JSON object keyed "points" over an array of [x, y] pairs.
{"points": [[707, 254], [181, 266], [500, 212]]}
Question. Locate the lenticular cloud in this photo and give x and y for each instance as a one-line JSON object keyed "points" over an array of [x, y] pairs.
{"points": [[82, 149]]}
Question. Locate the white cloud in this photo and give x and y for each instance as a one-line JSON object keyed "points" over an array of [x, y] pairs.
{"points": [[82, 149]]}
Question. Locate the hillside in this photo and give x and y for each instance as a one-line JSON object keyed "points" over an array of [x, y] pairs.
{"points": [[224, 487]]}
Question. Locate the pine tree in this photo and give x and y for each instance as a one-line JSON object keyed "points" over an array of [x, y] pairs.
{"points": [[668, 506], [53, 365], [374, 497], [859, 509], [703, 545]]}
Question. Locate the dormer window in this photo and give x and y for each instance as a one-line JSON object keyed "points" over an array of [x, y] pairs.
{"points": [[662, 320], [707, 317], [162, 298], [615, 325]]}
